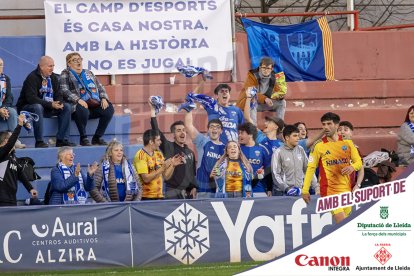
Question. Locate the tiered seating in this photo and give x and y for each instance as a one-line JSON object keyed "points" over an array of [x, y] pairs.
{"points": [[373, 91], [47, 158]]}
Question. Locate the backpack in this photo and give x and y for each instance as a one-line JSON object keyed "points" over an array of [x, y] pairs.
{"points": [[48, 193], [27, 165], [370, 178]]}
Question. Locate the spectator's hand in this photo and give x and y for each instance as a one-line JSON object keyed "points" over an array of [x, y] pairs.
{"points": [[177, 160], [269, 193], [347, 170], [356, 187], [57, 105], [4, 113], [33, 193], [104, 103], [92, 168], [21, 119], [269, 102], [280, 97], [77, 170], [306, 198], [83, 103], [193, 193], [248, 95]]}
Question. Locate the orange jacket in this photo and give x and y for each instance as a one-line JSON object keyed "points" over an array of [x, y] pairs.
{"points": [[277, 87]]}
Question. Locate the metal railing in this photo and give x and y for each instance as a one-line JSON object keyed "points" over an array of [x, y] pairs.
{"points": [[306, 14]]}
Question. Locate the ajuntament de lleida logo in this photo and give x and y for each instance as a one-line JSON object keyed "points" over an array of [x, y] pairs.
{"points": [[384, 212]]}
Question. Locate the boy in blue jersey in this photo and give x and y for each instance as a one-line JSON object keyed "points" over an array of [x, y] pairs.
{"points": [[220, 108], [209, 150], [258, 157]]}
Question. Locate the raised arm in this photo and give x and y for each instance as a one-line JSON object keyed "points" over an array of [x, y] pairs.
{"points": [[189, 126]]}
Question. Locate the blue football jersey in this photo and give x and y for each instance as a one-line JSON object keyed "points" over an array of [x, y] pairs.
{"points": [[258, 158]]}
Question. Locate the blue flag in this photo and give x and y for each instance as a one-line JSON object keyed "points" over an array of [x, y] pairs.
{"points": [[302, 51]]}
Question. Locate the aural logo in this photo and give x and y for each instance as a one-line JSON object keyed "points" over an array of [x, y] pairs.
{"points": [[383, 255], [186, 234]]}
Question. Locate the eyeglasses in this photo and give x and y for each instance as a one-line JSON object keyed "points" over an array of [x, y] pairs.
{"points": [[266, 68], [76, 60]]}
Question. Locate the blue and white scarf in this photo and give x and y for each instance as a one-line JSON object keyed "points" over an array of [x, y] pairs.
{"points": [[3, 88], [204, 100], [411, 125], [86, 85], [253, 94], [220, 180], [29, 118], [131, 184], [189, 71], [47, 90], [76, 194], [157, 103]]}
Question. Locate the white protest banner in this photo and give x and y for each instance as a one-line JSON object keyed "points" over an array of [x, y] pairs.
{"points": [[138, 37]]}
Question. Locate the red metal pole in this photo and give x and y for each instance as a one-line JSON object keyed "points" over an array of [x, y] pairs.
{"points": [[382, 28], [356, 20]]}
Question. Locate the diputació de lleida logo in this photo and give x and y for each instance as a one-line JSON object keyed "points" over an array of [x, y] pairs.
{"points": [[384, 212]]}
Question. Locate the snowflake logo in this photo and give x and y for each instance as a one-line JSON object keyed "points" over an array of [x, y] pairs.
{"points": [[186, 234]]}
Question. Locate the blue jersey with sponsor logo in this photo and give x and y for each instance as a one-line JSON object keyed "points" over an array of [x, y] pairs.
{"points": [[258, 158], [230, 117], [209, 153]]}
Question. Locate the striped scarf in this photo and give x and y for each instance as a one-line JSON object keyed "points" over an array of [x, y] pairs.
{"points": [[86, 86], [411, 125], [3, 88], [131, 184], [76, 194], [47, 90]]}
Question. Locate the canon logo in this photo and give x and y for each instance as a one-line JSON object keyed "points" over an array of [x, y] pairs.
{"points": [[304, 260]]}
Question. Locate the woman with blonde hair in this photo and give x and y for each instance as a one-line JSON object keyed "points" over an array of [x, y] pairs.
{"points": [[116, 179], [233, 173]]}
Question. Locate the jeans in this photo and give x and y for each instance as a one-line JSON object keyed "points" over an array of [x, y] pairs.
{"points": [[11, 122], [63, 120], [81, 116], [279, 106]]}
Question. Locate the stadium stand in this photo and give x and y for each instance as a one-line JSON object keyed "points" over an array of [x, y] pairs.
{"points": [[373, 90]]}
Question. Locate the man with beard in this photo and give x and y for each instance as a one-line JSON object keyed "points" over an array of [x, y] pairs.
{"points": [[337, 159], [271, 90], [209, 150], [182, 183]]}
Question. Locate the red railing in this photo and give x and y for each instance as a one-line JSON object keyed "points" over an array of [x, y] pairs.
{"points": [[306, 14], [238, 14]]}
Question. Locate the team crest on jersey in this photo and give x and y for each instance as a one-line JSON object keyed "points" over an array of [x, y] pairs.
{"points": [[257, 153], [344, 147], [233, 113]]}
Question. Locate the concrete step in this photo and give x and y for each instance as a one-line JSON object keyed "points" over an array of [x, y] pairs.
{"points": [[360, 117], [118, 129], [47, 157], [358, 89]]}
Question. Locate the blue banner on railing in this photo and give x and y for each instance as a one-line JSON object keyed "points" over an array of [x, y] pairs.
{"points": [[154, 233], [302, 51]]}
